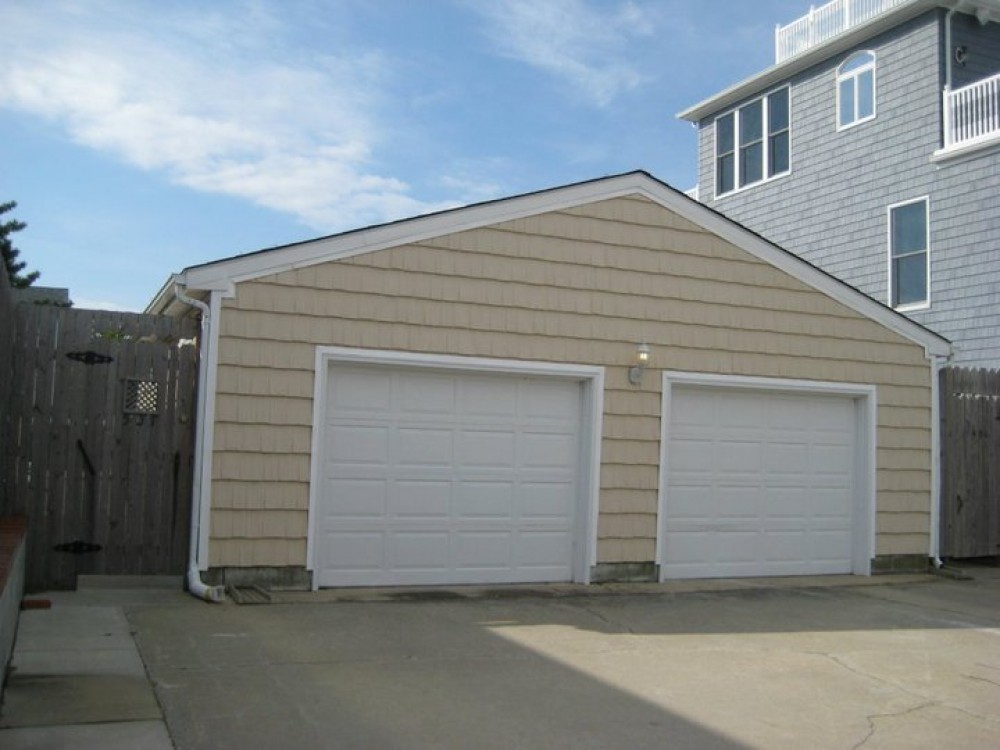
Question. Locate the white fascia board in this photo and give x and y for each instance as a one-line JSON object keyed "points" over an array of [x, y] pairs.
{"points": [[791, 264], [339, 247], [805, 60], [163, 299], [223, 276]]}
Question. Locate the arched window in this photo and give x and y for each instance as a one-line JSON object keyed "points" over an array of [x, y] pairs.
{"points": [[856, 89]]}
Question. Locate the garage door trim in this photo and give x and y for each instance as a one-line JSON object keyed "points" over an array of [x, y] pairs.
{"points": [[865, 396], [591, 377]]}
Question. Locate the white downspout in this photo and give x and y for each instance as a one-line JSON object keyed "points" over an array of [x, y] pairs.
{"points": [[935, 541], [196, 586]]}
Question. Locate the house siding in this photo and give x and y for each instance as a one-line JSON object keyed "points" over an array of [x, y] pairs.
{"points": [[832, 208], [578, 286]]}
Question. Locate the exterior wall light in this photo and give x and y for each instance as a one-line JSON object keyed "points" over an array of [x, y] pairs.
{"points": [[641, 360]]}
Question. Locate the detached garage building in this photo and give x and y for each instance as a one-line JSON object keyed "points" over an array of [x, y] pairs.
{"points": [[602, 381]]}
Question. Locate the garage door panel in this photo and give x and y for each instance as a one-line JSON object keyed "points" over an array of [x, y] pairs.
{"points": [[829, 545], [488, 400], [357, 498], [481, 550], [461, 477], [738, 455], [789, 502], [359, 444], [487, 448], [421, 446], [356, 550], [425, 393], [549, 450], [550, 400], [781, 457], [688, 502], [690, 455], [538, 501], [484, 500], [758, 483], [354, 396], [738, 547], [734, 501], [419, 550], [420, 500], [784, 546], [544, 550], [834, 500]]}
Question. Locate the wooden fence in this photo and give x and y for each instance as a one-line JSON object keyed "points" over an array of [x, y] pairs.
{"points": [[96, 440], [970, 463]]}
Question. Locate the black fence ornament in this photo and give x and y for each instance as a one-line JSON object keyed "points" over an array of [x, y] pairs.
{"points": [[78, 547], [90, 358]]}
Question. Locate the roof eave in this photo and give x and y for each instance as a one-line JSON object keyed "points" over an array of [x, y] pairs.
{"points": [[222, 276]]}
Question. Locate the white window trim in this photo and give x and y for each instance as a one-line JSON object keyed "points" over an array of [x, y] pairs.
{"points": [[592, 377], [926, 303], [863, 535], [736, 144], [855, 74]]}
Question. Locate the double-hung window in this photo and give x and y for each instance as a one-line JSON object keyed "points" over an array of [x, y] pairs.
{"points": [[856, 89], [752, 142], [909, 254]]}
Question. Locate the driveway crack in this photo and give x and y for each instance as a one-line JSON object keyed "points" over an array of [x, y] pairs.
{"points": [[872, 718], [619, 626]]}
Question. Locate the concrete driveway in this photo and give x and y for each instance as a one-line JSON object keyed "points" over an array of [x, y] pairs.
{"points": [[763, 665]]}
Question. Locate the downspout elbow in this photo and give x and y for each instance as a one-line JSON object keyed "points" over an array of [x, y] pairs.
{"points": [[197, 587], [201, 590]]}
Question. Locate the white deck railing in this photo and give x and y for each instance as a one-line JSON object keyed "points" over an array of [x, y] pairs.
{"points": [[972, 113], [826, 22]]}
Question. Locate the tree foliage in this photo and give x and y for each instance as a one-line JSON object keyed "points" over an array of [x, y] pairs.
{"points": [[13, 266]]}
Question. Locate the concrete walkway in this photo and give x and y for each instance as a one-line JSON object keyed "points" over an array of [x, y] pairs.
{"points": [[839, 662], [77, 680]]}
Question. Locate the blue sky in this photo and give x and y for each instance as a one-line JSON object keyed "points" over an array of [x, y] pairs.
{"points": [[139, 138]]}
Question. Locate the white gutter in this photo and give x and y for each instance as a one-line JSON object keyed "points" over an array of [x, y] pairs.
{"points": [[200, 493]]}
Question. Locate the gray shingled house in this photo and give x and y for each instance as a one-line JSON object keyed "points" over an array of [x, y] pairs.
{"points": [[871, 148]]}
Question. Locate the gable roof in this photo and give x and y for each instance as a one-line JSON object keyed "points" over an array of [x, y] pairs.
{"points": [[222, 275]]}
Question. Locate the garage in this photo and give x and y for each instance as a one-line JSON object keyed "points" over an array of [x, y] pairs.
{"points": [[448, 476], [604, 381], [763, 479]]}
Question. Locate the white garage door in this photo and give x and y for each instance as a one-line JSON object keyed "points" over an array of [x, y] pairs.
{"points": [[759, 483], [438, 477]]}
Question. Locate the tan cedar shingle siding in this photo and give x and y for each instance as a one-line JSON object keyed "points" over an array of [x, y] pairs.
{"points": [[581, 286]]}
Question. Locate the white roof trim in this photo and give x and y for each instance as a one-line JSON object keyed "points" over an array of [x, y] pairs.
{"points": [[222, 275]]}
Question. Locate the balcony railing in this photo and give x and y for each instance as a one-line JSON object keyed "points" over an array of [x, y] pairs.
{"points": [[826, 22], [972, 114]]}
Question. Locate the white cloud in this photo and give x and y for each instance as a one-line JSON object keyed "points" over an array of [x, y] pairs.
{"points": [[212, 100], [584, 45]]}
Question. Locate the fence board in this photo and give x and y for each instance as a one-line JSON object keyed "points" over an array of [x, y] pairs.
{"points": [[75, 463], [970, 478]]}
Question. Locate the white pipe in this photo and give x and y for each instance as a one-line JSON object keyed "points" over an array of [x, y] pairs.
{"points": [[196, 586], [935, 540]]}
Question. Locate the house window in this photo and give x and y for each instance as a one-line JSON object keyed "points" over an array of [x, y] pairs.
{"points": [[856, 90], [752, 143], [909, 254]]}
